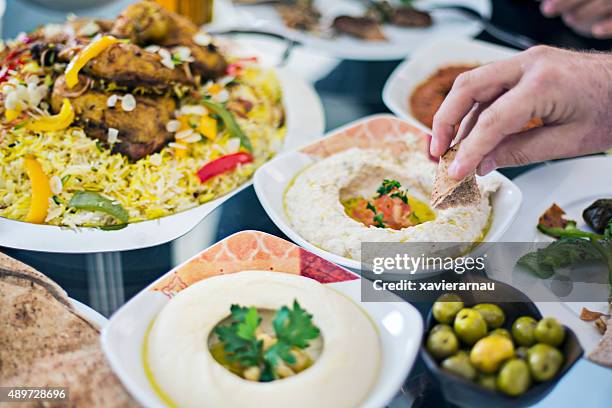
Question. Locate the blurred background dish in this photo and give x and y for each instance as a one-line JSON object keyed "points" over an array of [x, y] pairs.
{"points": [[400, 41]]}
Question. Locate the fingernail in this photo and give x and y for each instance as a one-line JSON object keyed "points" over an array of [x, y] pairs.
{"points": [[433, 147], [453, 170], [599, 31], [486, 166]]}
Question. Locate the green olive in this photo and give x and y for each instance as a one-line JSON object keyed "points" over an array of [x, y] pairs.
{"points": [[487, 381], [544, 361], [442, 343], [439, 327], [500, 332], [460, 365], [446, 308], [550, 331], [513, 378], [470, 326], [493, 314], [523, 331], [522, 352]]}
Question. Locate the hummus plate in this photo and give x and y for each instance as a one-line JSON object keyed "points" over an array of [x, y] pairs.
{"points": [[398, 324], [276, 182]]}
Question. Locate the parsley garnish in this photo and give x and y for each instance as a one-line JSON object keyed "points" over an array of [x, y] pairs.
{"points": [[378, 217], [293, 329], [239, 341], [401, 195], [371, 207], [387, 186]]}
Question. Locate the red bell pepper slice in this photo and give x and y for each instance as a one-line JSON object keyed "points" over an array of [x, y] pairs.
{"points": [[223, 164]]}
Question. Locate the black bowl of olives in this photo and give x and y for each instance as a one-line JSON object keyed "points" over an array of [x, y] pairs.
{"points": [[485, 354]]}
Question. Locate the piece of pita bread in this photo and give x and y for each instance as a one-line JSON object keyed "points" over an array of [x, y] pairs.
{"points": [[602, 354], [44, 342], [449, 193]]}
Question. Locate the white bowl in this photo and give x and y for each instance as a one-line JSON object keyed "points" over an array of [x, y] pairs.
{"points": [[399, 324], [305, 122], [272, 179], [425, 61]]}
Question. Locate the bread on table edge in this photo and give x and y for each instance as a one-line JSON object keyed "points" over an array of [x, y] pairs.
{"points": [[44, 342], [602, 354]]}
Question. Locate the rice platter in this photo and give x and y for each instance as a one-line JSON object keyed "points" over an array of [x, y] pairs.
{"points": [[110, 122]]}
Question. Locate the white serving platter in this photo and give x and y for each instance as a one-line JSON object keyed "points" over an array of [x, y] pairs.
{"points": [[426, 60], [573, 185], [273, 178], [401, 41], [89, 313], [399, 324], [305, 122]]}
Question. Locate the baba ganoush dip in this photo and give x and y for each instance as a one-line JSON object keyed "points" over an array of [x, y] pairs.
{"points": [[370, 195], [227, 315]]}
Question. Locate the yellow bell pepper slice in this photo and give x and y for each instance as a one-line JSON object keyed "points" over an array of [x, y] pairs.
{"points": [[41, 191], [178, 152], [11, 114], [208, 127], [88, 53], [54, 122]]}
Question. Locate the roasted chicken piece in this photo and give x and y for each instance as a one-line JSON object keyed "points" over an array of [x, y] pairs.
{"points": [[129, 65], [141, 131], [403, 16], [411, 17], [365, 28], [300, 16], [146, 22]]}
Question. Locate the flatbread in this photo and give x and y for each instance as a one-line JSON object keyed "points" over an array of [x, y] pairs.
{"points": [[602, 354], [44, 342], [449, 193]]}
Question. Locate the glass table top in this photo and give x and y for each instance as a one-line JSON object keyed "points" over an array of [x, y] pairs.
{"points": [[349, 90]]}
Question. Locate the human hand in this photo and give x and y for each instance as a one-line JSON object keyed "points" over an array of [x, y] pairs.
{"points": [[570, 92], [590, 17]]}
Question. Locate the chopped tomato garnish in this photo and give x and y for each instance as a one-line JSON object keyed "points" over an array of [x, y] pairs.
{"points": [[390, 212]]}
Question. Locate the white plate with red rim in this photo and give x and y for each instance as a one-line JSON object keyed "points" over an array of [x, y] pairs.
{"points": [[273, 178], [305, 122], [429, 58], [400, 42], [399, 324]]}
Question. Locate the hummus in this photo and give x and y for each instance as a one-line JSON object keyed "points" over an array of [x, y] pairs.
{"points": [[185, 371], [313, 202]]}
